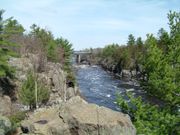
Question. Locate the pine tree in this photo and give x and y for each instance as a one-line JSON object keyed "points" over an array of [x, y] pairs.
{"points": [[173, 55], [67, 48], [163, 40], [152, 57], [131, 40], [51, 51], [6, 45], [12, 27], [149, 119], [139, 42], [159, 74], [44, 35], [33, 91]]}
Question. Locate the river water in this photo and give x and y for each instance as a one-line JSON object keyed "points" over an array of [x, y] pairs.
{"points": [[100, 87]]}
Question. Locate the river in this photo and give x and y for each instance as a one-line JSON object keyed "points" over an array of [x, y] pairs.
{"points": [[100, 87]]}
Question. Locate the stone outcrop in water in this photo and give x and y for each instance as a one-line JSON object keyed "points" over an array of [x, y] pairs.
{"points": [[77, 117]]}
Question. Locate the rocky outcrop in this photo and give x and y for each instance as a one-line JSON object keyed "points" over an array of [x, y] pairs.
{"points": [[22, 66], [5, 105], [117, 69], [127, 74], [53, 77], [77, 117], [5, 125]]}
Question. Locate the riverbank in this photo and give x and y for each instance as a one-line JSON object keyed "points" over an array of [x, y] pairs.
{"points": [[65, 113], [101, 87]]}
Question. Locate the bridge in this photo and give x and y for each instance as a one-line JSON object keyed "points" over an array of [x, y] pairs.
{"points": [[79, 54]]}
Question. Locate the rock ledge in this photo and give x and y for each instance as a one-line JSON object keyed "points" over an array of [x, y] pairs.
{"points": [[77, 117]]}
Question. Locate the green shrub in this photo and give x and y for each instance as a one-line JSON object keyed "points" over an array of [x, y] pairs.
{"points": [[28, 91], [149, 119], [16, 119], [5, 125]]}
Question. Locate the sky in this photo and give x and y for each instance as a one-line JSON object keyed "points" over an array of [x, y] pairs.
{"points": [[93, 23]]}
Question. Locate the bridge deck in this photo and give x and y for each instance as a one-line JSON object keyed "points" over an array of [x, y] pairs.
{"points": [[81, 52]]}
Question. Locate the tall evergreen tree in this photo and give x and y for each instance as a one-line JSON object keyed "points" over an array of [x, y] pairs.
{"points": [[12, 27], [131, 40], [163, 40], [8, 27], [159, 74], [173, 53], [44, 35], [67, 47], [139, 42]]}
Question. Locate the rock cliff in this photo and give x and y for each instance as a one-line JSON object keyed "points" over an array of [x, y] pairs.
{"points": [[53, 77]]}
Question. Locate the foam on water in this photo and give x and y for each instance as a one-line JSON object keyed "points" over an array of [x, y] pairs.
{"points": [[108, 95]]}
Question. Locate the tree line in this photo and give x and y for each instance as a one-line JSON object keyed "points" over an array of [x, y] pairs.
{"points": [[157, 60], [14, 41]]}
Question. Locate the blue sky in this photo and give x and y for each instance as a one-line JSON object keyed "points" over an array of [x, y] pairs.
{"points": [[93, 23]]}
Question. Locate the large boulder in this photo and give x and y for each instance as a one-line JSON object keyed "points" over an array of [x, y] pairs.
{"points": [[5, 105], [85, 119], [77, 117], [5, 125]]}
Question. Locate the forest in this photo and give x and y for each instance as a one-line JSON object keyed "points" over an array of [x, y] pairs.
{"points": [[157, 64]]}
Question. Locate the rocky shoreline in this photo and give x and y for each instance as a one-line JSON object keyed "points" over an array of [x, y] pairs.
{"points": [[66, 113], [131, 79]]}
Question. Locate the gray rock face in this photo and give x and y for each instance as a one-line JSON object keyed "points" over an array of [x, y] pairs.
{"points": [[22, 65], [57, 79], [85, 119], [71, 92], [5, 125], [127, 74], [53, 77], [77, 117], [5, 105], [117, 68]]}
